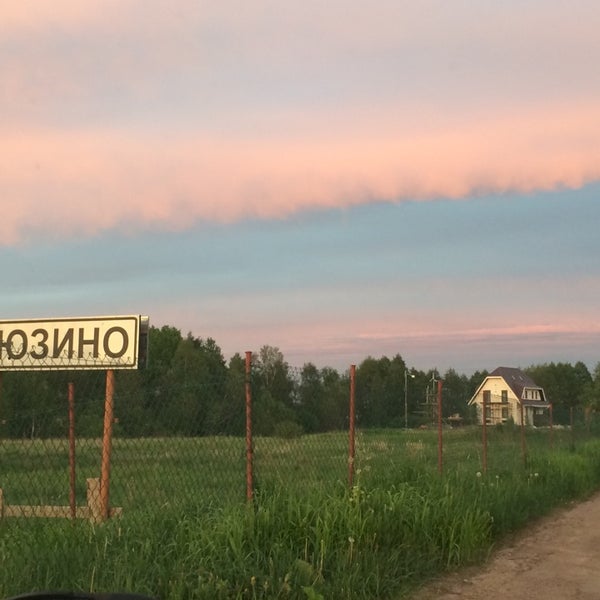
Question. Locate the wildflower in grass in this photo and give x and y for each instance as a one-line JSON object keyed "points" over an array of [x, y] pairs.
{"points": [[478, 474], [351, 549]]}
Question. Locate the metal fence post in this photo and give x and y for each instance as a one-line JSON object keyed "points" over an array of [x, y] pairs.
{"points": [[351, 425], [1, 407], [484, 457], [107, 444], [572, 425], [72, 495], [440, 433], [523, 442], [551, 425], [249, 446]]}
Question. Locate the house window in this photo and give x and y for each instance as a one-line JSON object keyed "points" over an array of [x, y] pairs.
{"points": [[505, 413], [504, 396]]}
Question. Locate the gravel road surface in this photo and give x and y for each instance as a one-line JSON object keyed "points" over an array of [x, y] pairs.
{"points": [[557, 558]]}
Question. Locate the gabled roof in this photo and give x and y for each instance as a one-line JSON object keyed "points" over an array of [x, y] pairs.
{"points": [[516, 380]]}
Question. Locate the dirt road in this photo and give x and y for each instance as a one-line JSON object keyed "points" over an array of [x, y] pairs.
{"points": [[558, 558]]}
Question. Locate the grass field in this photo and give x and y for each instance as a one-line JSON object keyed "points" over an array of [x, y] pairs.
{"points": [[187, 532], [151, 472]]}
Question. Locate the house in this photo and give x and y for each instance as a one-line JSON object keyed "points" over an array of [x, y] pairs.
{"points": [[505, 391]]}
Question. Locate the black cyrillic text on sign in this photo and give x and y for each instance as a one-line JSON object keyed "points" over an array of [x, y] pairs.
{"points": [[71, 342]]}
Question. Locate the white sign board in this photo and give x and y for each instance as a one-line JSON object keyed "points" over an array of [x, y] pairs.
{"points": [[74, 343]]}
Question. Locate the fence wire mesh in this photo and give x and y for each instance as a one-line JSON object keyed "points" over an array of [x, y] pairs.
{"points": [[173, 444], [109, 464]]}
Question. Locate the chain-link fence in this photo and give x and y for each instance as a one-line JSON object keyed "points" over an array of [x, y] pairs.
{"points": [[92, 444]]}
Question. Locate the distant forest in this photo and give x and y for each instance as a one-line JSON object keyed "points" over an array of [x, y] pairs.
{"points": [[189, 389]]}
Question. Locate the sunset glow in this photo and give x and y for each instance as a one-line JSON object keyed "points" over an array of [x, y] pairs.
{"points": [[415, 179]]}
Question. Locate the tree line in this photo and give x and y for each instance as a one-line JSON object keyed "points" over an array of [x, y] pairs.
{"points": [[189, 389]]}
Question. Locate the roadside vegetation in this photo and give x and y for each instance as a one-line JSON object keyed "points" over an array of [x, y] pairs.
{"points": [[179, 468], [306, 536]]}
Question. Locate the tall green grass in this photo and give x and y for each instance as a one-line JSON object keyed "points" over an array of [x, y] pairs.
{"points": [[308, 537]]}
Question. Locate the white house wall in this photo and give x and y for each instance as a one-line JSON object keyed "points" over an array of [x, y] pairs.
{"points": [[496, 385]]}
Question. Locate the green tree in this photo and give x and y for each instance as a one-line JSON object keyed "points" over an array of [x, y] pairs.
{"points": [[162, 346], [370, 384], [157, 381], [564, 385], [131, 409], [380, 391], [33, 406], [229, 415], [322, 399], [198, 379], [273, 391], [336, 394], [475, 381], [311, 398], [591, 395], [273, 374], [455, 393]]}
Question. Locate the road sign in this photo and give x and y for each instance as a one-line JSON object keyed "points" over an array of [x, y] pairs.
{"points": [[118, 342]]}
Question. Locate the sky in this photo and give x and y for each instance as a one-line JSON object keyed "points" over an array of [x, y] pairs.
{"points": [[336, 179]]}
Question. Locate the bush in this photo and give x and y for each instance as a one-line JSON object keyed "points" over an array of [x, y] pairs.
{"points": [[288, 430]]}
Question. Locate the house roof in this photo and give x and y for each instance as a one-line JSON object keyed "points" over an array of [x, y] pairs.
{"points": [[516, 379]]}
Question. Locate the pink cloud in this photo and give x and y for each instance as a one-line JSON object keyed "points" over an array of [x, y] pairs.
{"points": [[490, 116], [66, 183], [32, 13], [340, 342], [469, 336]]}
